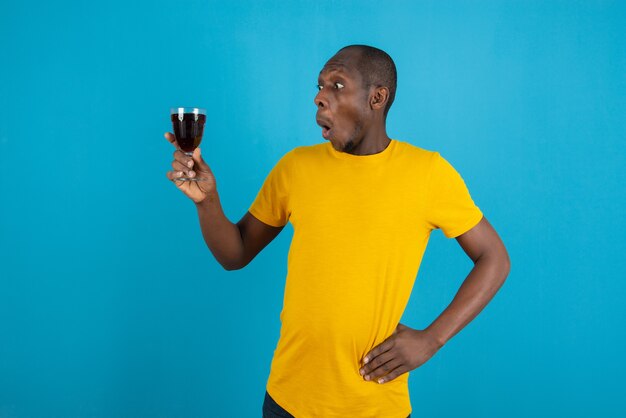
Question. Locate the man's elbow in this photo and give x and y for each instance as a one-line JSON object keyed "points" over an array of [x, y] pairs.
{"points": [[498, 263], [505, 264], [231, 265]]}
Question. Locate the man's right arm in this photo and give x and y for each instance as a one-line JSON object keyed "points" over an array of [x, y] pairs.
{"points": [[232, 245]]}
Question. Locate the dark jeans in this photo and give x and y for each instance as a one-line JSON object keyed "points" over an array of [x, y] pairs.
{"points": [[272, 410]]}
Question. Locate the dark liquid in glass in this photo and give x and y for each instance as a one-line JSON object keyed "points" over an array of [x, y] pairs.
{"points": [[189, 131]]}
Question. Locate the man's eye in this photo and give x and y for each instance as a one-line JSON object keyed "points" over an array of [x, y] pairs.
{"points": [[319, 86], [338, 85]]}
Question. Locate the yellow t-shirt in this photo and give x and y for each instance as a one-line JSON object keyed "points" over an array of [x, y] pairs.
{"points": [[361, 225]]}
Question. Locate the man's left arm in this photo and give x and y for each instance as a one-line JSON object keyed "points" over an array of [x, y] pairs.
{"points": [[409, 348]]}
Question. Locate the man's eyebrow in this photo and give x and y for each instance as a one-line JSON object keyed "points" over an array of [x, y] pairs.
{"points": [[337, 77], [330, 71]]}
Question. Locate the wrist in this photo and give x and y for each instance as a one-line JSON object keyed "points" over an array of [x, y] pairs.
{"points": [[436, 337], [210, 198]]}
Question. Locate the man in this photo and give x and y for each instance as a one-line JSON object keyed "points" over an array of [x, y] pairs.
{"points": [[362, 206]]}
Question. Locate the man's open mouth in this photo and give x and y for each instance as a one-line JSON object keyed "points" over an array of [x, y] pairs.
{"points": [[326, 126]]}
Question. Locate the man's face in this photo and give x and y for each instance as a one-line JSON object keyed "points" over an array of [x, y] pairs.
{"points": [[343, 109]]}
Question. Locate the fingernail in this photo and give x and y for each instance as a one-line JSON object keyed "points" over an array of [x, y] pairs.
{"points": [[361, 372], [189, 163], [381, 380], [366, 359], [367, 377], [192, 173], [179, 173]]}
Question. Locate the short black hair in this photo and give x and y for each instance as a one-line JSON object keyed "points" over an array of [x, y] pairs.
{"points": [[377, 69]]}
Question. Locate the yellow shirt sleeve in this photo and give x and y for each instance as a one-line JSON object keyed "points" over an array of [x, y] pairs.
{"points": [[271, 205], [450, 206]]}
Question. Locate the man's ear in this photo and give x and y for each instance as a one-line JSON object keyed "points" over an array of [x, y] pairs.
{"points": [[379, 98]]}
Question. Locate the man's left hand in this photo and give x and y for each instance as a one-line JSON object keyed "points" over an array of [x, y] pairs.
{"points": [[405, 350]]}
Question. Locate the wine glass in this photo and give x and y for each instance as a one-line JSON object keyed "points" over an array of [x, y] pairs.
{"points": [[188, 128]]}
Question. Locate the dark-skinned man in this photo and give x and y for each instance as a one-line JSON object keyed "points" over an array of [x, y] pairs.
{"points": [[362, 207]]}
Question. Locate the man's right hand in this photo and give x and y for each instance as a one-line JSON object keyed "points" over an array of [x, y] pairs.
{"points": [[192, 167]]}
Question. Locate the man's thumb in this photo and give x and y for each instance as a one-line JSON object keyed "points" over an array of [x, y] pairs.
{"points": [[199, 161]]}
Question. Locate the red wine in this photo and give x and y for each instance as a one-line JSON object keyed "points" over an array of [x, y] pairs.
{"points": [[189, 131]]}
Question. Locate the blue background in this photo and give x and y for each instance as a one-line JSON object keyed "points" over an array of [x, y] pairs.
{"points": [[110, 303]]}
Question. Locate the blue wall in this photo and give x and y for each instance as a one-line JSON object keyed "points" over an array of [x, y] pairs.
{"points": [[111, 305]]}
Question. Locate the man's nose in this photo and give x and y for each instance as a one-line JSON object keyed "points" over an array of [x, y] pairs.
{"points": [[320, 100]]}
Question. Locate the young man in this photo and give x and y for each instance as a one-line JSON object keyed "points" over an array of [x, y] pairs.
{"points": [[362, 206]]}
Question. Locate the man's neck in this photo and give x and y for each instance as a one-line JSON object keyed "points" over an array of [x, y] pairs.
{"points": [[374, 142]]}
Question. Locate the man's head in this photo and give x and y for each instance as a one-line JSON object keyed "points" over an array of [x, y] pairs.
{"points": [[356, 89]]}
